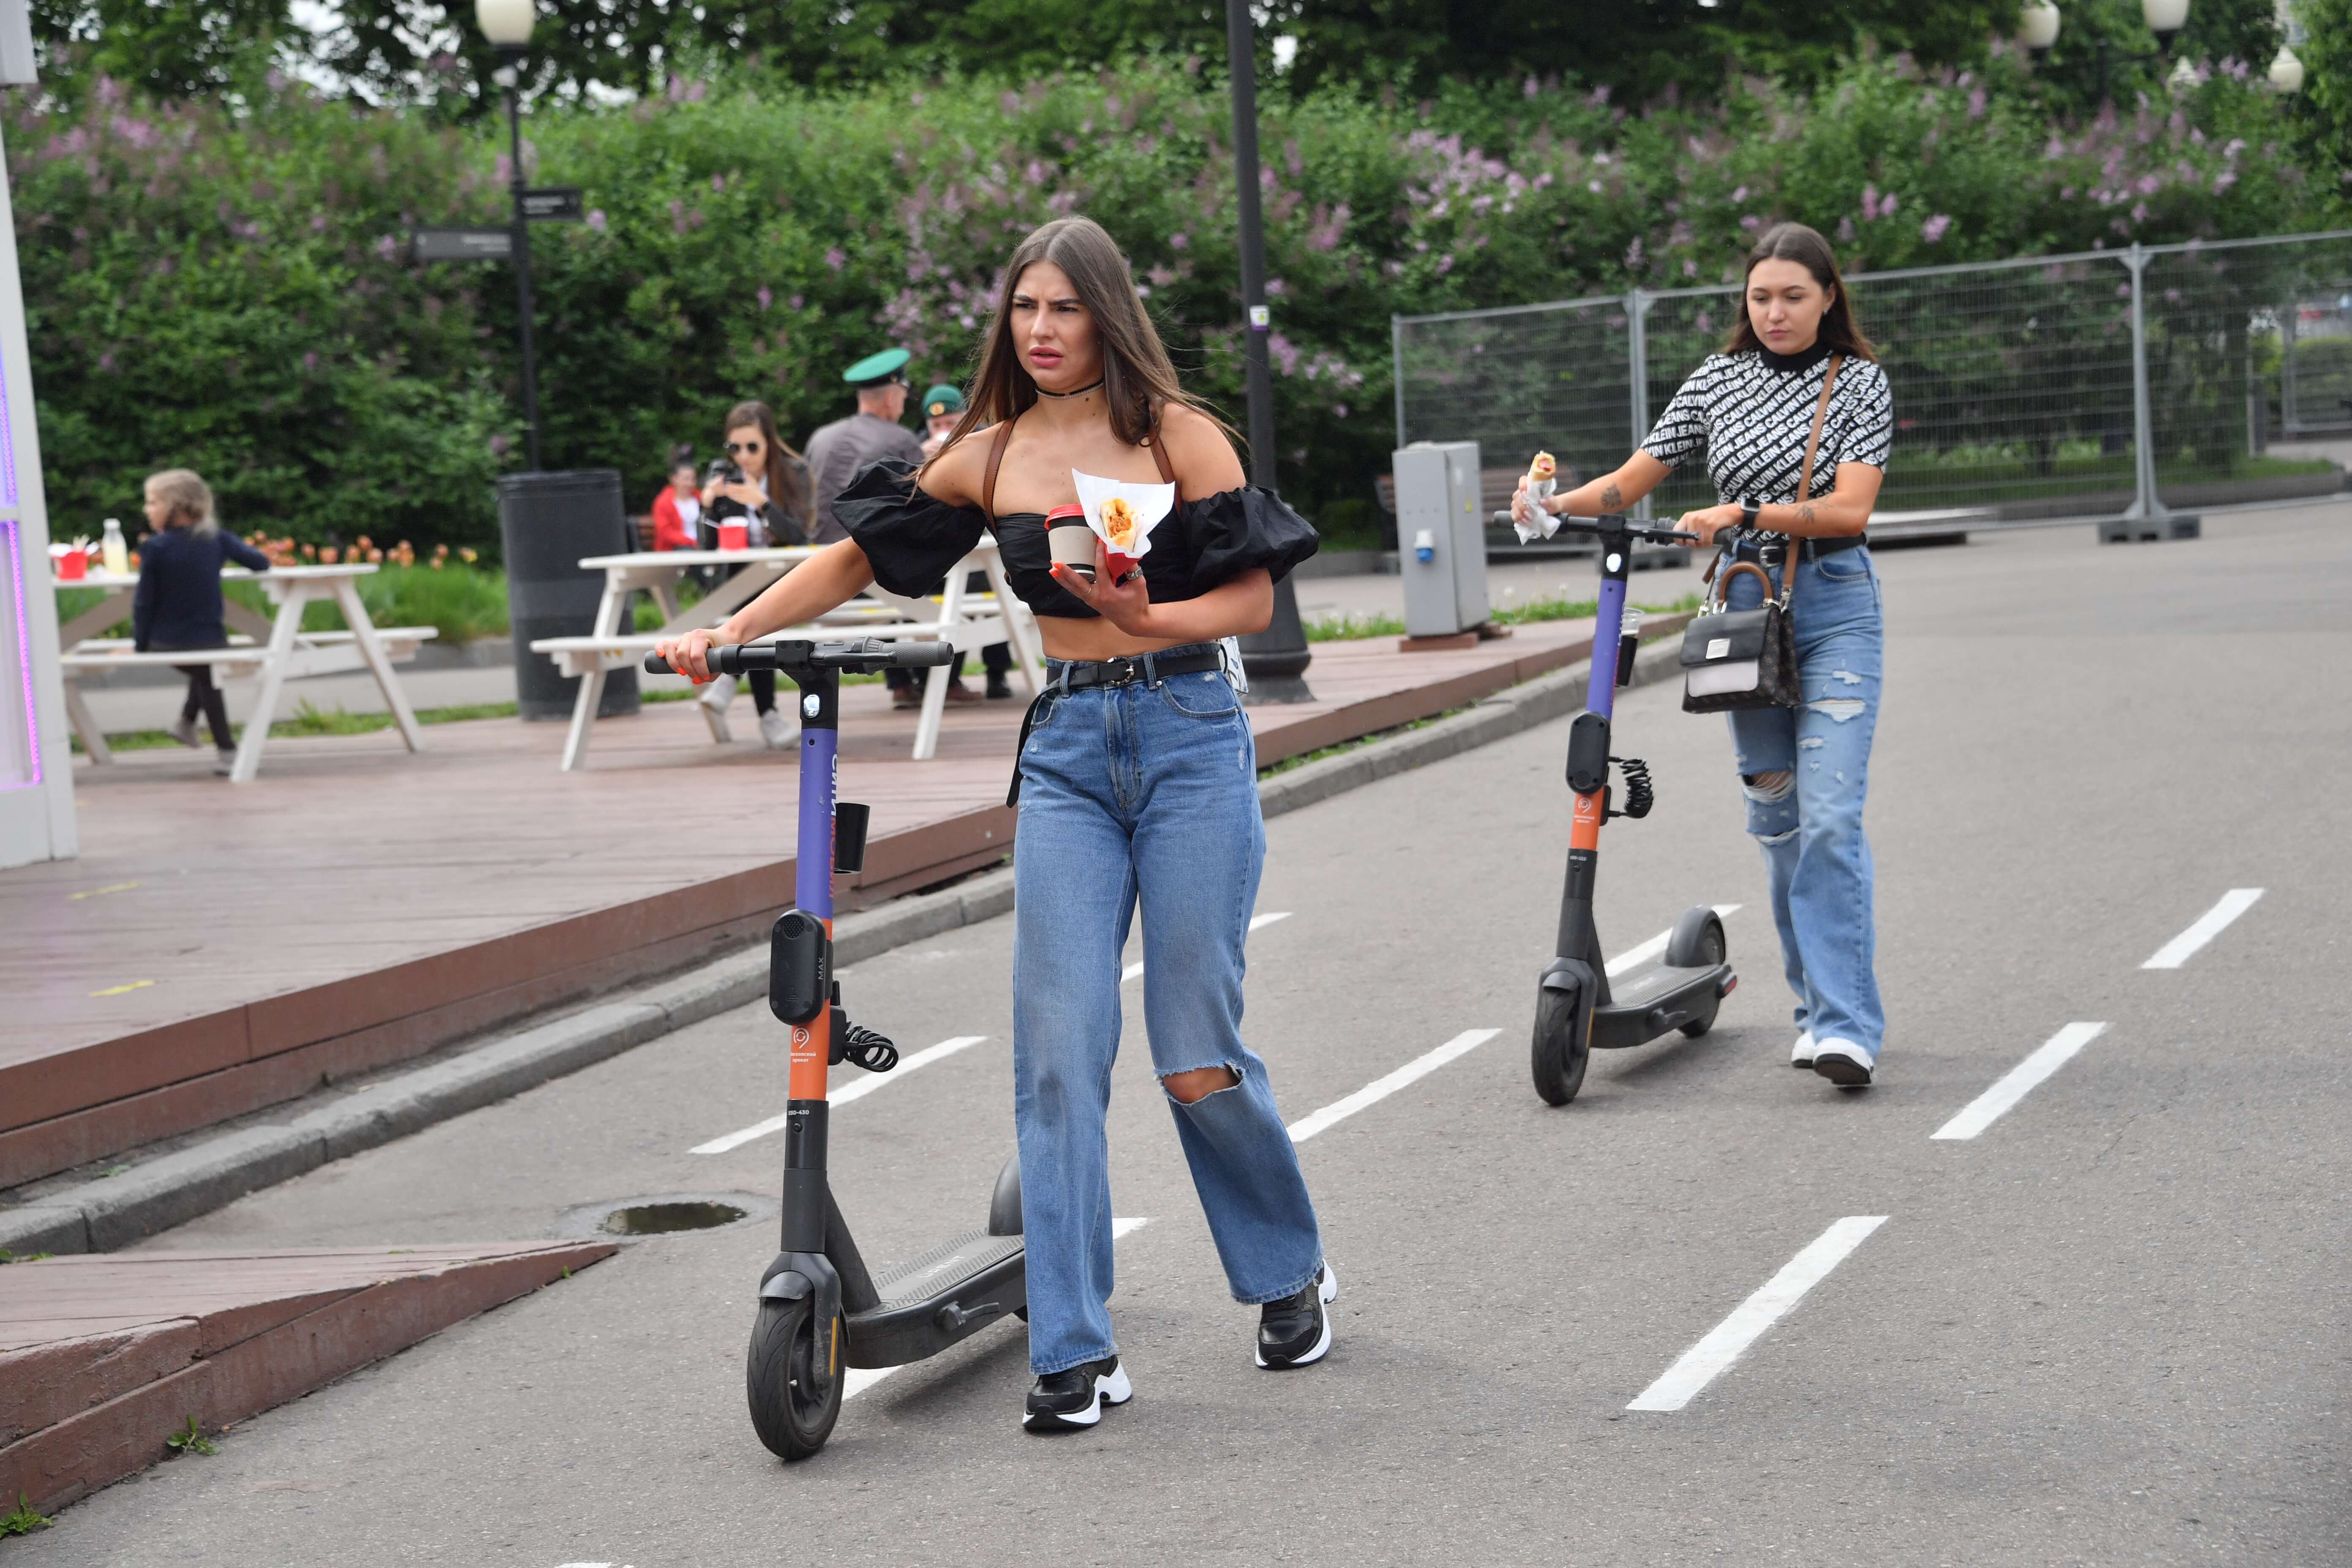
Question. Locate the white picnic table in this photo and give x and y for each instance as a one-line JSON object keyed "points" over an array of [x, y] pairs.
{"points": [[965, 619], [275, 647]]}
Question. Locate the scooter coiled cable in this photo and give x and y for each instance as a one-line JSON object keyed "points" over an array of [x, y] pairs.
{"points": [[1639, 795], [872, 1051]]}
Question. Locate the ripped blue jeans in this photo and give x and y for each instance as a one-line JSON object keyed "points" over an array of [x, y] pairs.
{"points": [[1140, 794], [1815, 856]]}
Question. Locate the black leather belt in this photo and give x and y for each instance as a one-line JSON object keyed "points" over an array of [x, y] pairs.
{"points": [[1126, 671]]}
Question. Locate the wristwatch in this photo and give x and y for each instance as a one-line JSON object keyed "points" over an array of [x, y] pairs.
{"points": [[1750, 507]]}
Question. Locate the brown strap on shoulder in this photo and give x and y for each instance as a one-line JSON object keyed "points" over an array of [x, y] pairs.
{"points": [[1805, 478], [1160, 455], [995, 461]]}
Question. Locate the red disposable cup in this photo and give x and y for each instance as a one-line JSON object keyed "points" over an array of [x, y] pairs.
{"points": [[73, 565], [734, 536]]}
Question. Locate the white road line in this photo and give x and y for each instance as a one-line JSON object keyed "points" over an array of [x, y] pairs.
{"points": [[861, 1378], [1132, 970], [1379, 1089], [2210, 924], [857, 1091], [1654, 946], [2018, 1082], [1705, 1361]]}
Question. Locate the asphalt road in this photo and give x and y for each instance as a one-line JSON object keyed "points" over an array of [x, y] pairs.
{"points": [[2112, 1327]]}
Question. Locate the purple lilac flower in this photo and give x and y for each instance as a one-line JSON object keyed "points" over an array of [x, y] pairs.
{"points": [[1934, 228]]}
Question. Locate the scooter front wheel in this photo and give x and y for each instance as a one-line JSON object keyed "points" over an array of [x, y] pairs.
{"points": [[1561, 1047], [790, 1361]]}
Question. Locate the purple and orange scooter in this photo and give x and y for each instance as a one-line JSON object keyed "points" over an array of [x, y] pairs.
{"points": [[1580, 1007], [820, 1311]]}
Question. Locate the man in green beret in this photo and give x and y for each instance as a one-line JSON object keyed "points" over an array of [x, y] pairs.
{"points": [[942, 406], [837, 451]]}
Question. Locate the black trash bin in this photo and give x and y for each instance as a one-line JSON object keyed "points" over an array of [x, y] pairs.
{"points": [[549, 523]]}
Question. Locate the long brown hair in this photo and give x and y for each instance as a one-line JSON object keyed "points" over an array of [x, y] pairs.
{"points": [[1795, 242], [787, 475], [1139, 379]]}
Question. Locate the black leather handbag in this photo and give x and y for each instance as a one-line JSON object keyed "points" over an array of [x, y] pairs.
{"points": [[1747, 658]]}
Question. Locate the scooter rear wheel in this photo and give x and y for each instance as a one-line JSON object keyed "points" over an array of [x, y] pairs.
{"points": [[789, 1362], [1561, 1047]]}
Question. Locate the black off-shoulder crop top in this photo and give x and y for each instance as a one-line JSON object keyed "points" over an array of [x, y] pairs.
{"points": [[912, 540]]}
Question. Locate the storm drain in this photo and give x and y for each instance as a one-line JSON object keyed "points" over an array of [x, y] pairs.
{"points": [[666, 1214]]}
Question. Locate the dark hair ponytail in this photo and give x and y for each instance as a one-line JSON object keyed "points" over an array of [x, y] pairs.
{"points": [[1795, 242]]}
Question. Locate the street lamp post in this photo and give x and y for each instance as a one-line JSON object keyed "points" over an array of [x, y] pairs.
{"points": [[1276, 657], [507, 24]]}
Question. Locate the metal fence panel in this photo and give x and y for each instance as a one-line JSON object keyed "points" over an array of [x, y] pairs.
{"points": [[2014, 382]]}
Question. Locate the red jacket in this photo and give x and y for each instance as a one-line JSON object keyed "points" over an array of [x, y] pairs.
{"points": [[671, 531]]}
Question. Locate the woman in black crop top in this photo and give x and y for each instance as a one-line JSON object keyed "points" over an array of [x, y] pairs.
{"points": [[1136, 784]]}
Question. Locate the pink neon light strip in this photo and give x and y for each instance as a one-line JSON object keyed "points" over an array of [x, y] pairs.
{"points": [[16, 534]]}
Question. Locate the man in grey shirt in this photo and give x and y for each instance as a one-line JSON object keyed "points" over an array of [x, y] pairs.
{"points": [[837, 451]]}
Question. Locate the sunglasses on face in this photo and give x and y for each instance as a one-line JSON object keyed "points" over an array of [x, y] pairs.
{"points": [[736, 448]]}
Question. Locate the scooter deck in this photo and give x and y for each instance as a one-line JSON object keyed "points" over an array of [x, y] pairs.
{"points": [[930, 1301], [1654, 998]]}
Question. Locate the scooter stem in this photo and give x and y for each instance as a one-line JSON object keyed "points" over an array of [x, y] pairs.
{"points": [[1609, 620], [804, 1196]]}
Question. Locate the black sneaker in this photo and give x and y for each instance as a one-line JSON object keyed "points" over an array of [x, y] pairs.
{"points": [[1069, 1400], [999, 689], [1296, 1330]]}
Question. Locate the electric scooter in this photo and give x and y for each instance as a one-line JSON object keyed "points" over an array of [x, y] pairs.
{"points": [[821, 1312], [1579, 1007]]}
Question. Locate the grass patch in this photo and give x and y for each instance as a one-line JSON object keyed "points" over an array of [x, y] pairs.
{"points": [[189, 1440], [1300, 761], [24, 1521], [1353, 628], [8, 1257]]}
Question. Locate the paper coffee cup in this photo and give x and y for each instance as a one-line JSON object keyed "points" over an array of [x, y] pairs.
{"points": [[1073, 545], [734, 536]]}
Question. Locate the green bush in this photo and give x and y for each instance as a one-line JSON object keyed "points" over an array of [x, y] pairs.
{"points": [[228, 291]]}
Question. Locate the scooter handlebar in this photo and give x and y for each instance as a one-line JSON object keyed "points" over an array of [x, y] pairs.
{"points": [[863, 656], [1655, 533]]}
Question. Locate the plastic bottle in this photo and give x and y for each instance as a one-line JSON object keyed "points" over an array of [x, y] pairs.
{"points": [[116, 551]]}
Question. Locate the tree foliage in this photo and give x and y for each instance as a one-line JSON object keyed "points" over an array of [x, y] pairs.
{"points": [[231, 292]]}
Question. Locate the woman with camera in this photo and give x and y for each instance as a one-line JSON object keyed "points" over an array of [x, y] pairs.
{"points": [[1137, 785], [1796, 364], [764, 484]]}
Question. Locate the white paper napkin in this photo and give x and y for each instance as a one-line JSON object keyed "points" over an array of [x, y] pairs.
{"points": [[1149, 502]]}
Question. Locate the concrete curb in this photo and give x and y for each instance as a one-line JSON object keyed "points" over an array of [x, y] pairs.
{"points": [[113, 1212]]}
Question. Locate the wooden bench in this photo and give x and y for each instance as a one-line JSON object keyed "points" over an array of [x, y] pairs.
{"points": [[313, 653]]}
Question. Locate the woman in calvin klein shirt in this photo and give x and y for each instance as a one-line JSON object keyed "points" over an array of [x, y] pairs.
{"points": [[1750, 410]]}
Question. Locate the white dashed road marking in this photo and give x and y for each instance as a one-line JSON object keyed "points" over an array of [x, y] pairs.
{"points": [[1654, 946], [2018, 1082], [2209, 925], [844, 1094], [1705, 1361], [1379, 1089]]}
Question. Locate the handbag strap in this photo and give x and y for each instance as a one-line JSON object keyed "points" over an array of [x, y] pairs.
{"points": [[1805, 478]]}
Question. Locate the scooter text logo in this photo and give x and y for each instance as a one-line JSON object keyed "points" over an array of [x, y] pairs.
{"points": [[802, 1044]]}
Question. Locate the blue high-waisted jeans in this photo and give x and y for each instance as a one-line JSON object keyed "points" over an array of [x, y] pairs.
{"points": [[1148, 794], [1815, 856]]}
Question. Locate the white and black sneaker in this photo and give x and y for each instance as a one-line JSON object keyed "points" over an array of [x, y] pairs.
{"points": [[1296, 1330], [1074, 1398], [1801, 1058], [1844, 1063]]}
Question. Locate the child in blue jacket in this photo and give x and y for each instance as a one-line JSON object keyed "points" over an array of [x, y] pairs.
{"points": [[178, 604]]}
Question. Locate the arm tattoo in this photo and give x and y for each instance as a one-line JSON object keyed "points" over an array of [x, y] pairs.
{"points": [[1805, 514], [1612, 499]]}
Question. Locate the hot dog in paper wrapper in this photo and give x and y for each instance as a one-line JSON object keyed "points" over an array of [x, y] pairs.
{"points": [[1123, 515], [1543, 479]]}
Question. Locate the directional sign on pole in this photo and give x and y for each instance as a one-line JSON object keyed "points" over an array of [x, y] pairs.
{"points": [[464, 244], [554, 204]]}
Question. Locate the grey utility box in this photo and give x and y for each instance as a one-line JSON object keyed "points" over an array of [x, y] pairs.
{"points": [[1441, 538]]}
